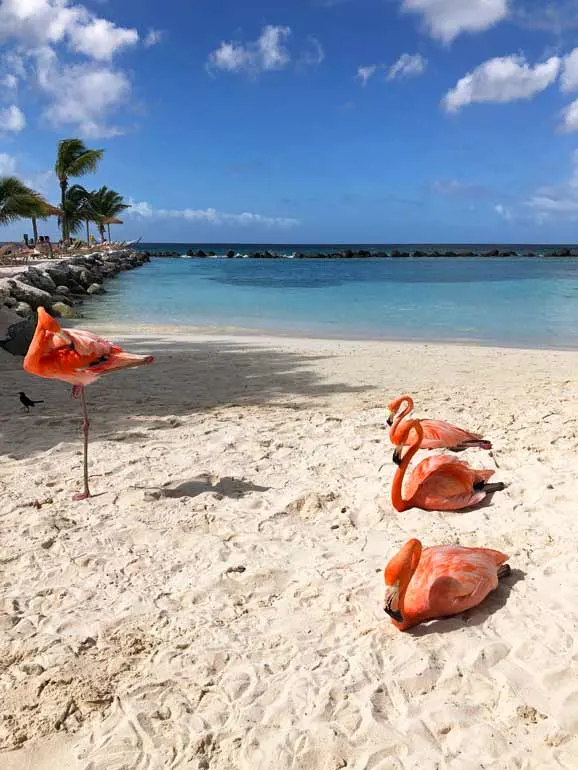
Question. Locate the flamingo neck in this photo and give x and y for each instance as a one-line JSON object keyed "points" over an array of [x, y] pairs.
{"points": [[394, 430], [399, 503], [409, 568]]}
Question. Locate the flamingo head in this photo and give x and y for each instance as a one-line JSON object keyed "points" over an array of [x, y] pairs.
{"points": [[395, 405], [397, 575]]}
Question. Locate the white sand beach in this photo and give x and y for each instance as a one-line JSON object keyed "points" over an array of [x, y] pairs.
{"points": [[218, 604]]}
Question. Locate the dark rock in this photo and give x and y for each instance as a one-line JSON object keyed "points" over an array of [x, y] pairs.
{"points": [[230, 254], [24, 310], [34, 297], [15, 334], [38, 278]]}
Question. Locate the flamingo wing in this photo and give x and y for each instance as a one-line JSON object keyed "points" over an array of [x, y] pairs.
{"points": [[452, 579], [446, 484], [438, 434], [73, 355]]}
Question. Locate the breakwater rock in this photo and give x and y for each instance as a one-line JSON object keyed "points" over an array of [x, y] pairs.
{"points": [[558, 251], [59, 286]]}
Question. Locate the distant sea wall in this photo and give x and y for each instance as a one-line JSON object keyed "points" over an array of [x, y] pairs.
{"points": [[367, 254], [59, 285]]}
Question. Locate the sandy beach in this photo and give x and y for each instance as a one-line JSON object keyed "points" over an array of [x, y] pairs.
{"points": [[218, 604]]}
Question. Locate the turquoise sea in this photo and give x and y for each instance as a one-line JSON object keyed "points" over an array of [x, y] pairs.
{"points": [[520, 301]]}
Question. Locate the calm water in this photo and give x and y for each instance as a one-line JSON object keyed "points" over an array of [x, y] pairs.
{"points": [[517, 302]]}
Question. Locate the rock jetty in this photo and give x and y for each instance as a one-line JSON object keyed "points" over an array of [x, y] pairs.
{"points": [[59, 286], [373, 254]]}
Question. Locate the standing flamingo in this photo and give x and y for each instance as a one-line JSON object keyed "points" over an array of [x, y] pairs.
{"points": [[76, 357], [439, 483], [428, 583], [437, 434]]}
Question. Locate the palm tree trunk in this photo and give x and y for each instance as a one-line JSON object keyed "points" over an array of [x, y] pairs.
{"points": [[109, 233], [87, 233], [63, 186], [101, 230], [34, 230]]}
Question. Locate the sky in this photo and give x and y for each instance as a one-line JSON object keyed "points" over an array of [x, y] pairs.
{"points": [[311, 121]]}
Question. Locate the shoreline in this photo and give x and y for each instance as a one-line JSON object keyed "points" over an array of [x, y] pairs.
{"points": [[127, 331]]}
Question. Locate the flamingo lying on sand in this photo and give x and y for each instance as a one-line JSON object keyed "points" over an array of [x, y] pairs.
{"points": [[437, 434], [439, 483], [440, 581], [77, 357]]}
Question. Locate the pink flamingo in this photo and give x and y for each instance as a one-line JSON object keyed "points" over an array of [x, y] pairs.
{"points": [[76, 357], [427, 583], [437, 434], [438, 483]]}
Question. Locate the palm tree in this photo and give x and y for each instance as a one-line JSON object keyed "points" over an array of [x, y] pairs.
{"points": [[73, 159], [18, 201], [77, 210], [105, 204]]}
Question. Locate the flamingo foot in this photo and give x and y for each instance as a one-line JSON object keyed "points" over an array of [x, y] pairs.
{"points": [[81, 496], [503, 571]]}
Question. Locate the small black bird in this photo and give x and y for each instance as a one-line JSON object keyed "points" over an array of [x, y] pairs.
{"points": [[28, 402]]}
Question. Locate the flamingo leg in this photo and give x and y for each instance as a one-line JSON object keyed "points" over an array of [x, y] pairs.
{"points": [[81, 390]]}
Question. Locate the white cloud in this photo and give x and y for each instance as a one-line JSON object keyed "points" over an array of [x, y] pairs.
{"points": [[446, 19], [209, 215], [50, 22], [12, 119], [268, 52], [82, 95], [562, 199], [313, 54], [7, 164], [503, 211], [366, 73], [570, 117], [569, 77], [43, 181], [101, 39], [153, 37], [503, 79], [554, 16], [407, 65], [9, 82]]}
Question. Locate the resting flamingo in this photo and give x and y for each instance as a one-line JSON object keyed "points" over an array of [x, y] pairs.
{"points": [[427, 583], [76, 357], [440, 483], [437, 434]]}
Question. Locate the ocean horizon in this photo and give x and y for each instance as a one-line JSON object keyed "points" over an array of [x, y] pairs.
{"points": [[511, 302]]}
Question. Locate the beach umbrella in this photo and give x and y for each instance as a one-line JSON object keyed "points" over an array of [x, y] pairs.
{"points": [[111, 221]]}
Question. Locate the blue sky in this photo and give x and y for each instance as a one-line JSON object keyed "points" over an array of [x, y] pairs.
{"points": [[310, 121]]}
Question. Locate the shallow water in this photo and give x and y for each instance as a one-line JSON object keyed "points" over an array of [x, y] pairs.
{"points": [[513, 302]]}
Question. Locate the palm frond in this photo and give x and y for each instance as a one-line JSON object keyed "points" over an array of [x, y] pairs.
{"points": [[73, 158], [17, 200]]}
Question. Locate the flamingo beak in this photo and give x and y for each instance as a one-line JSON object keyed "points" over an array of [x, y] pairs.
{"points": [[397, 458], [390, 419], [391, 596]]}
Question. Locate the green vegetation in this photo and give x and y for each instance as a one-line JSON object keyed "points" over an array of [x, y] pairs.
{"points": [[78, 206]]}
